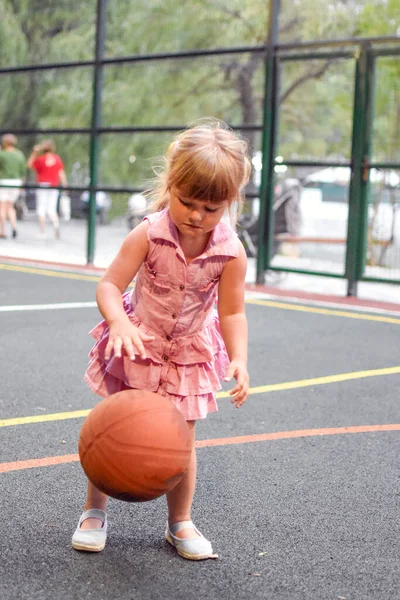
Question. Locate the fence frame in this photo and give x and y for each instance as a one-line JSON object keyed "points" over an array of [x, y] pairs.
{"points": [[364, 51]]}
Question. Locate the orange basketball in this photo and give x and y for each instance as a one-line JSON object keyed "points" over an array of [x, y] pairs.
{"points": [[135, 446]]}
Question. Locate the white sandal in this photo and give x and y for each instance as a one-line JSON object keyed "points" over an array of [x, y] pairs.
{"points": [[91, 540], [193, 549]]}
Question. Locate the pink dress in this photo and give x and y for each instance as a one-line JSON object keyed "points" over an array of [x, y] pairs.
{"points": [[174, 302]]}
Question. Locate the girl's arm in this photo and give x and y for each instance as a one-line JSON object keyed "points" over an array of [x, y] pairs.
{"points": [[233, 323], [123, 334]]}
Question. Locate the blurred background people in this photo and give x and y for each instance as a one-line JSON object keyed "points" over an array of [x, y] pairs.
{"points": [[49, 170], [12, 172]]}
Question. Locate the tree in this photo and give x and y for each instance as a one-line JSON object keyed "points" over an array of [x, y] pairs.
{"points": [[316, 96]]}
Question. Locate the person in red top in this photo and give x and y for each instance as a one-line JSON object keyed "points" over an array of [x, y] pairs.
{"points": [[49, 170]]}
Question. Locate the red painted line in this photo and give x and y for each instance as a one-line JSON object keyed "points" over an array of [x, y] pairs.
{"points": [[346, 301], [20, 465], [243, 439], [284, 435]]}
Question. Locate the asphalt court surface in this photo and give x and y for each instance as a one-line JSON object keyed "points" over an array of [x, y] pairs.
{"points": [[312, 514]]}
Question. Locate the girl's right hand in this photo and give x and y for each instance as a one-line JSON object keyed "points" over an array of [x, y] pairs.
{"points": [[123, 334]]}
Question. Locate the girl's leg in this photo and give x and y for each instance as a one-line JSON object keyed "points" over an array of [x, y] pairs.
{"points": [[94, 499], [180, 498]]}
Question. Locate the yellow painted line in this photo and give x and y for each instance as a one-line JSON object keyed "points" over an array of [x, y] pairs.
{"points": [[273, 304], [63, 416], [261, 389], [291, 385], [49, 273], [324, 311]]}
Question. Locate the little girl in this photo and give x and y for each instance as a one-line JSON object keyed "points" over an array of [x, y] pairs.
{"points": [[165, 336]]}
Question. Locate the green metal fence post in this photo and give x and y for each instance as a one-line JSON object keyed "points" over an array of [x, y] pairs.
{"points": [[265, 232], [367, 142], [96, 123], [355, 223]]}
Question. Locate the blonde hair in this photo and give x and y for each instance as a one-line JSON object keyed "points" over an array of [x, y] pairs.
{"points": [[48, 146], [8, 139], [206, 162]]}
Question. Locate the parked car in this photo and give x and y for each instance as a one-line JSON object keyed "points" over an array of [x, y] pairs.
{"points": [[103, 205], [26, 205], [137, 208]]}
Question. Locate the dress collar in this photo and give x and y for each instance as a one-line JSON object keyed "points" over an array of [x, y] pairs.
{"points": [[223, 240]]}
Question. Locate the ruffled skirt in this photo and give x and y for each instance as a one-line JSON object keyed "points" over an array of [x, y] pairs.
{"points": [[187, 370]]}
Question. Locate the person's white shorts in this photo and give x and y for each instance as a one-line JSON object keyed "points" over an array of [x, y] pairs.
{"points": [[46, 202], [10, 194]]}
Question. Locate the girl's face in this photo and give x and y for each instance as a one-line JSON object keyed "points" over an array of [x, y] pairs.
{"points": [[194, 218]]}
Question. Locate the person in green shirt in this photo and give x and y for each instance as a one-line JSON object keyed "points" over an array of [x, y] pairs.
{"points": [[12, 173]]}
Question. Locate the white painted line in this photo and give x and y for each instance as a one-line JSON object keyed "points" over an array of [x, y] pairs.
{"points": [[249, 295], [61, 305]]}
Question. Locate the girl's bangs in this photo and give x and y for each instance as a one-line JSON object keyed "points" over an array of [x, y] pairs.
{"points": [[218, 187]]}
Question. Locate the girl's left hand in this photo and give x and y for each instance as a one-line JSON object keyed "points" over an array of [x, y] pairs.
{"points": [[238, 370]]}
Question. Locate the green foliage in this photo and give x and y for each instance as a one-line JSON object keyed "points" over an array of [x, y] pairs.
{"points": [[316, 119], [316, 96]]}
